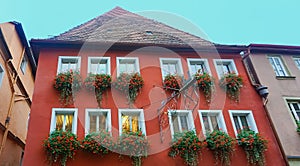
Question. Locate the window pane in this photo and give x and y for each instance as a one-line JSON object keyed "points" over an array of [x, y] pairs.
{"points": [[69, 122], [122, 68], [64, 67], [59, 122], [206, 123], [184, 124], [125, 123], [102, 69], [244, 122], [175, 124], [236, 123], [102, 121], [172, 69], [226, 68], [93, 119], [214, 122], [135, 123]]}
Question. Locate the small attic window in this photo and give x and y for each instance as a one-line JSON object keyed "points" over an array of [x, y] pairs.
{"points": [[149, 33]]}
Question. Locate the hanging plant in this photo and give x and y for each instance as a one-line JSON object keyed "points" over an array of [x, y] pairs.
{"points": [[232, 83], [130, 84], [98, 83], [187, 146], [172, 83], [254, 145], [222, 146], [205, 83], [67, 84], [61, 145], [135, 145], [98, 143]]}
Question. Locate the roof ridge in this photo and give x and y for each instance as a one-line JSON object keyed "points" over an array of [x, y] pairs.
{"points": [[116, 11]]}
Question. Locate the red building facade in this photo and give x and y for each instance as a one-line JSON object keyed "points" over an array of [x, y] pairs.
{"points": [[153, 57]]}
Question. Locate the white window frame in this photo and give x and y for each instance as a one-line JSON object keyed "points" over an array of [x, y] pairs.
{"points": [[220, 120], [177, 61], [61, 111], [136, 62], [2, 72], [96, 110], [99, 58], [23, 64], [292, 112], [249, 117], [231, 64], [140, 112], [202, 61], [60, 58], [297, 62], [190, 121], [276, 70]]}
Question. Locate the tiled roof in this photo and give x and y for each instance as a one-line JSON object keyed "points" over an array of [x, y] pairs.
{"points": [[119, 25]]}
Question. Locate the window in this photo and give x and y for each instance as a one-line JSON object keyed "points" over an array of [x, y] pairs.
{"points": [[131, 120], [277, 65], [297, 61], [1, 74], [127, 65], [67, 63], [171, 66], [224, 66], [97, 120], [196, 65], [23, 64], [294, 107], [212, 120], [180, 120], [64, 119], [99, 65], [242, 120]]}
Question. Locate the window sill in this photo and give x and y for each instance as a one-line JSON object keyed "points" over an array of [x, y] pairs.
{"points": [[285, 77]]}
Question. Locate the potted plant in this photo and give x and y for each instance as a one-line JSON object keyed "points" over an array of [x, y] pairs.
{"points": [[172, 83], [98, 83], [187, 146], [222, 146], [205, 83], [232, 83], [61, 145], [135, 145], [254, 145], [130, 84], [67, 84], [98, 143]]}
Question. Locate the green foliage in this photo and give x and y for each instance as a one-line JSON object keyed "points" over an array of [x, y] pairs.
{"points": [[232, 83], [188, 146], [205, 83], [254, 145], [61, 145], [67, 84], [130, 84], [98, 143], [222, 145], [135, 145], [298, 126], [98, 83]]}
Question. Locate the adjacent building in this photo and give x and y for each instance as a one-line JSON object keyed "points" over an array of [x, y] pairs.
{"points": [[123, 42], [17, 73], [277, 67]]}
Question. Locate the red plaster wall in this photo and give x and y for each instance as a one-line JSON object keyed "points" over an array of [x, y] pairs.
{"points": [[45, 98]]}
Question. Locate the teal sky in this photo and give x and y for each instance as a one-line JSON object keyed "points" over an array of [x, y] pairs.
{"points": [[223, 21]]}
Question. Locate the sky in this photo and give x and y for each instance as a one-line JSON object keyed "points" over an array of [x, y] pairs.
{"points": [[223, 21]]}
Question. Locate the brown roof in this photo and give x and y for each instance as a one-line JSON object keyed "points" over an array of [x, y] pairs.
{"points": [[119, 25]]}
